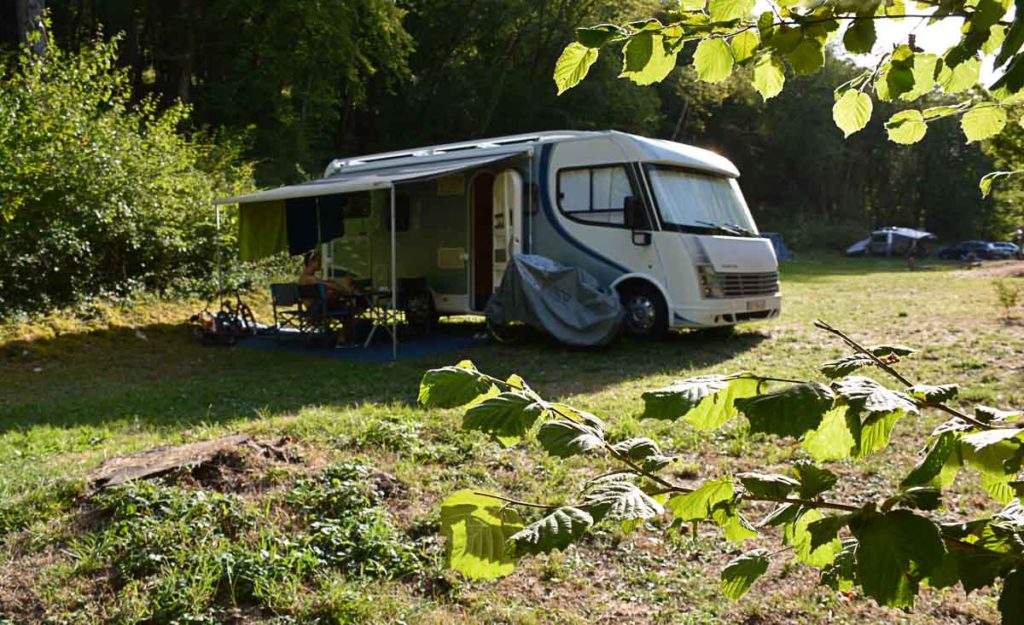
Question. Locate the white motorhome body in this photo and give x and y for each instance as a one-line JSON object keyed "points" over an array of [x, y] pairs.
{"points": [[664, 224]]}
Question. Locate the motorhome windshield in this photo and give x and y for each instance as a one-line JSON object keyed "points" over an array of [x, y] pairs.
{"points": [[689, 200]]}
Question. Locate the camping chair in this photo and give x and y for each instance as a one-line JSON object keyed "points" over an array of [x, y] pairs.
{"points": [[317, 318], [287, 306], [417, 303]]}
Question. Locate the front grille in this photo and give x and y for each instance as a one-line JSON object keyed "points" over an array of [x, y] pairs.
{"points": [[746, 284]]}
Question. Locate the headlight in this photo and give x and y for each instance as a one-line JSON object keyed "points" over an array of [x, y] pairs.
{"points": [[710, 285]]}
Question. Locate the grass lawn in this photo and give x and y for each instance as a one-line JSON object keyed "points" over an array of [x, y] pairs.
{"points": [[309, 542]]}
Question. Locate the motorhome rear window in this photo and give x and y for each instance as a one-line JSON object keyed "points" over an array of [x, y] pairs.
{"points": [[595, 195]]}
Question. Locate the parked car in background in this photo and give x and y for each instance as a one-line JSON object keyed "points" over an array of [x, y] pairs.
{"points": [[969, 250], [1007, 249]]}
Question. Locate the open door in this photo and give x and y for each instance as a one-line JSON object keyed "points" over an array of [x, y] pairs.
{"points": [[482, 244], [508, 215]]}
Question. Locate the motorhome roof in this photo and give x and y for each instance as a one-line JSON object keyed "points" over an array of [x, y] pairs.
{"points": [[639, 148]]}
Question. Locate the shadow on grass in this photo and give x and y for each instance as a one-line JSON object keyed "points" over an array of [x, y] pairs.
{"points": [[156, 377]]}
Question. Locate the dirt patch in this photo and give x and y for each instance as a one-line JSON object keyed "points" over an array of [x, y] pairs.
{"points": [[995, 269]]}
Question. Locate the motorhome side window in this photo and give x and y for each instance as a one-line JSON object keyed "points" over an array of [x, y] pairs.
{"points": [[595, 195]]}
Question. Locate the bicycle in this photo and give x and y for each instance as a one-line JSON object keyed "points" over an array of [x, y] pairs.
{"points": [[234, 319]]}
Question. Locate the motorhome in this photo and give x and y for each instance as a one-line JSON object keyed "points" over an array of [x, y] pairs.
{"points": [[663, 224]]}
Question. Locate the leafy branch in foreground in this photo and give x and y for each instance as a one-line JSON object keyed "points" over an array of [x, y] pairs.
{"points": [[887, 547], [728, 35]]}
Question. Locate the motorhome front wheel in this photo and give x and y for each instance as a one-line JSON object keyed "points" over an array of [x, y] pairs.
{"points": [[646, 313]]}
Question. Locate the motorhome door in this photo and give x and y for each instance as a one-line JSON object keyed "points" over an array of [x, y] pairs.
{"points": [[508, 212]]}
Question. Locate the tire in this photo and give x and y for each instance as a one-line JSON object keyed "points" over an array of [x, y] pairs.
{"points": [[646, 312]]}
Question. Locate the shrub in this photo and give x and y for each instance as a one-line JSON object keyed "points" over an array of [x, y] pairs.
{"points": [[101, 194]]}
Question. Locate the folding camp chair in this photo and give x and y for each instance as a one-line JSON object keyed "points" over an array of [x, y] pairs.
{"points": [[318, 318], [287, 306]]}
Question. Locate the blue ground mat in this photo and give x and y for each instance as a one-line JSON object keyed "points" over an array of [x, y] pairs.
{"points": [[438, 342]]}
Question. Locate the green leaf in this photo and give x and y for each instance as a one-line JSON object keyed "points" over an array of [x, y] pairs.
{"points": [[476, 528], [875, 431], [620, 501], [931, 465], [736, 528], [852, 111], [644, 452], [923, 69], [766, 25], [836, 438], [705, 402], [996, 37], [1012, 41], [842, 367], [989, 414], [781, 515], [973, 568], [729, 10], [451, 387], [507, 417], [574, 64], [917, 497], [769, 76], [982, 440], [937, 112], [906, 127], [596, 36], [798, 535], [983, 121], [742, 572], [959, 78], [866, 395], [645, 59], [826, 529], [790, 411], [692, 5], [744, 45], [884, 351], [808, 57], [698, 505], [933, 394], [894, 550], [813, 480], [860, 36], [557, 530], [713, 60], [998, 487], [768, 485], [563, 439], [842, 573]]}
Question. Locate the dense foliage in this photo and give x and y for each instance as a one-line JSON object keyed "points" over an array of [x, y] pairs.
{"points": [[100, 193], [429, 71], [887, 547]]}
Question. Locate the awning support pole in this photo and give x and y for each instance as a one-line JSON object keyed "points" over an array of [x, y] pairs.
{"points": [[394, 280], [217, 257]]}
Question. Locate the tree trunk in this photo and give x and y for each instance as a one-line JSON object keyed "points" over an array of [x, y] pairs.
{"points": [[31, 32]]}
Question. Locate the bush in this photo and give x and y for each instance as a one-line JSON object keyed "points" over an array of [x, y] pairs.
{"points": [[102, 194]]}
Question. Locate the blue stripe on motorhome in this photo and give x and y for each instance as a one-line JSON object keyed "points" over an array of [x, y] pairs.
{"points": [[545, 203]]}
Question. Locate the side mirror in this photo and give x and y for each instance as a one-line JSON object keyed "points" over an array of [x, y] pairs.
{"points": [[635, 218]]}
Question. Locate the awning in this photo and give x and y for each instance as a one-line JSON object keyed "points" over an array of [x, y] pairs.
{"points": [[368, 181]]}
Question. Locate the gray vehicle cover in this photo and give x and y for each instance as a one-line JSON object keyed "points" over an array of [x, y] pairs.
{"points": [[564, 301]]}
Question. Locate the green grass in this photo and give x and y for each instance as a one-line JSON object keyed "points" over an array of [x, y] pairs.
{"points": [[75, 392]]}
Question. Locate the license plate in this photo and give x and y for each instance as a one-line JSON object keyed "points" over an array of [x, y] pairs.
{"points": [[756, 304]]}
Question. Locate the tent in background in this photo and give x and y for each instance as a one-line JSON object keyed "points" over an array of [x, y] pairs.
{"points": [[890, 241], [781, 249]]}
